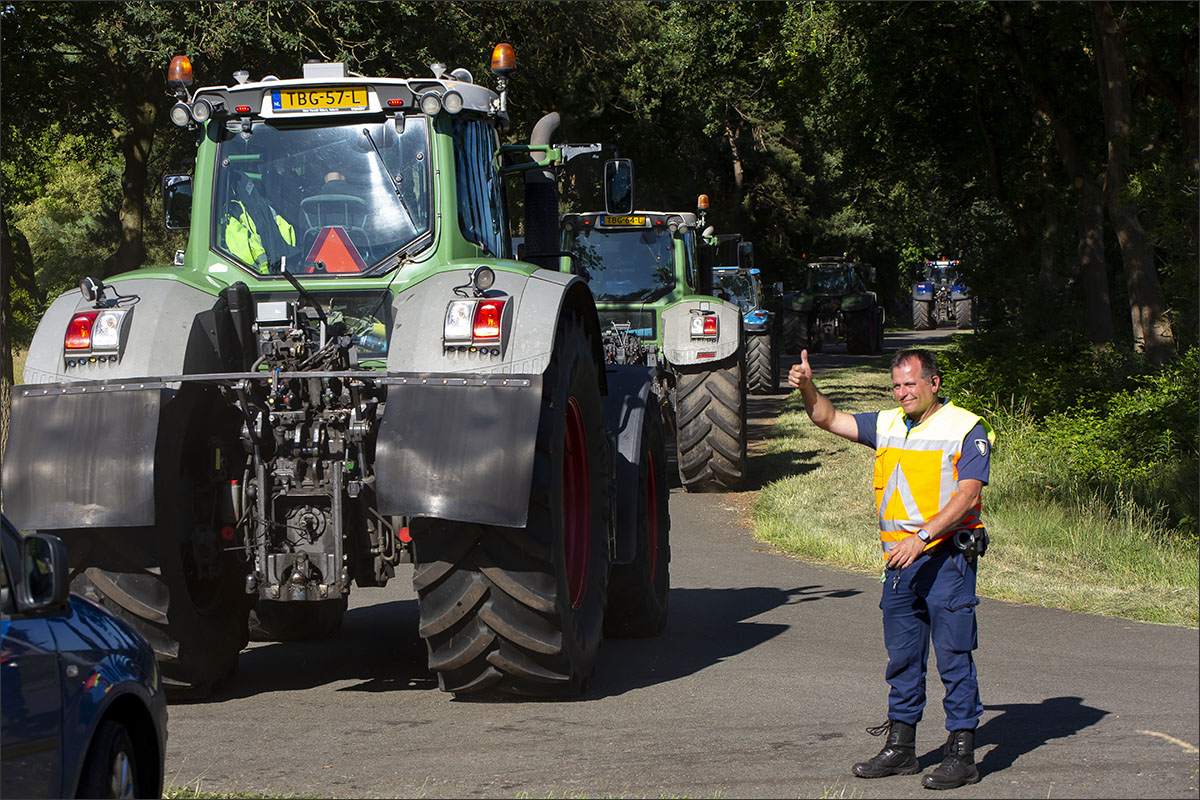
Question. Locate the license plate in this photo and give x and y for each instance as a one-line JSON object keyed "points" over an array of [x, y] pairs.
{"points": [[638, 220], [323, 98]]}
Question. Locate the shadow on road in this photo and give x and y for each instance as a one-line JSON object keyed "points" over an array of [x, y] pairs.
{"points": [[378, 646], [706, 626], [1024, 727]]}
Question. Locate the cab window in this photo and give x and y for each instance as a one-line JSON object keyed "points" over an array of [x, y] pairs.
{"points": [[480, 190]]}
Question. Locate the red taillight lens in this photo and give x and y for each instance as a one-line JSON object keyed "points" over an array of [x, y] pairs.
{"points": [[79, 331], [710, 326], [487, 319]]}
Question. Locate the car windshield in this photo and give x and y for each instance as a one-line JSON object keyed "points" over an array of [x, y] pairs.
{"points": [[635, 264], [833, 281], [322, 200], [736, 288]]}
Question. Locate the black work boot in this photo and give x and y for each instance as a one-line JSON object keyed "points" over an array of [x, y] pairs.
{"points": [[958, 763], [898, 756]]}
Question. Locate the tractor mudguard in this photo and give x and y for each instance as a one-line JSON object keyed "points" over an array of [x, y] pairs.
{"points": [[759, 328], [922, 293], [624, 407], [680, 348], [530, 318], [82, 455], [458, 447], [960, 293]]}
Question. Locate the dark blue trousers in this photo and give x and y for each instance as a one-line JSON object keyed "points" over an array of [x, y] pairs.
{"points": [[933, 600]]}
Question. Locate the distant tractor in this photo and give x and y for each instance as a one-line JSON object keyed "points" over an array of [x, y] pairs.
{"points": [[832, 304], [942, 297], [736, 279], [651, 273]]}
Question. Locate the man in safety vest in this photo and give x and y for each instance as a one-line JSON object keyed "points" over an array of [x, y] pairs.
{"points": [[243, 237], [931, 463]]}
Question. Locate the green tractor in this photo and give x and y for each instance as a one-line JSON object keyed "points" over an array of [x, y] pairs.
{"points": [[833, 304], [651, 275], [345, 371]]}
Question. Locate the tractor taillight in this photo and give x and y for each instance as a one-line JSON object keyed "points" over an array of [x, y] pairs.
{"points": [[79, 331], [704, 325], [487, 319]]}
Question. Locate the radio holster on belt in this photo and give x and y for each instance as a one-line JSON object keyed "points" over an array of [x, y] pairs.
{"points": [[971, 543]]}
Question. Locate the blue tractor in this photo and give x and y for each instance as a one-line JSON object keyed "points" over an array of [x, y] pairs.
{"points": [[942, 297], [739, 282]]}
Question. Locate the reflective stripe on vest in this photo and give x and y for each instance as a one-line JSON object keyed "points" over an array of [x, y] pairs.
{"points": [[916, 471]]}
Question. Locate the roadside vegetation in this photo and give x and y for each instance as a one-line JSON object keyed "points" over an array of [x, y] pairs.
{"points": [[1092, 500]]}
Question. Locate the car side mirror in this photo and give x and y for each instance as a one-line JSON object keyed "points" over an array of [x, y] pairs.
{"points": [[177, 202], [618, 186], [46, 583]]}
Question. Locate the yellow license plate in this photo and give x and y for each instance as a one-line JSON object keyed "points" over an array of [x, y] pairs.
{"points": [[323, 98], [625, 220]]}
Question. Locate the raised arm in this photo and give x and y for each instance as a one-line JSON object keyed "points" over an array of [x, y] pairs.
{"points": [[820, 409]]}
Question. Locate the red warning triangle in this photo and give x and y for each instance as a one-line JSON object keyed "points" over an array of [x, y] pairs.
{"points": [[334, 249]]}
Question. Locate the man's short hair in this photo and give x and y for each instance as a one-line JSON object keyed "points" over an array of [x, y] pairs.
{"points": [[929, 365]]}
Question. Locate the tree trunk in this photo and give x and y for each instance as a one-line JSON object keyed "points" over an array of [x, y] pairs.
{"points": [[1089, 210], [739, 177], [1048, 273], [1151, 329], [136, 141], [7, 257]]}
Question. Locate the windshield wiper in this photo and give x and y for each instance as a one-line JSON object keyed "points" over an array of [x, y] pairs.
{"points": [[411, 220]]}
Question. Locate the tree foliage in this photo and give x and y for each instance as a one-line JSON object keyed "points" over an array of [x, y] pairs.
{"points": [[892, 131]]}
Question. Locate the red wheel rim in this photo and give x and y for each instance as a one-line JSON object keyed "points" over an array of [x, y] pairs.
{"points": [[652, 514], [577, 504]]}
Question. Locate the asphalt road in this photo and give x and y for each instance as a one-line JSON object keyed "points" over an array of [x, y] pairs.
{"points": [[761, 686]]}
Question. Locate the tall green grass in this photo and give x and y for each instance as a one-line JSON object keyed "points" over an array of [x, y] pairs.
{"points": [[1054, 542]]}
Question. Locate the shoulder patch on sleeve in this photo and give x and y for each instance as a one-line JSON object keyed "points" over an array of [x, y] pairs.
{"points": [[982, 446]]}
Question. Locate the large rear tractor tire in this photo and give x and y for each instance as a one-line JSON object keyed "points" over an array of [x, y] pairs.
{"points": [[194, 617], [637, 592], [762, 364], [294, 621], [860, 332], [922, 319], [795, 337], [711, 440], [521, 610], [964, 314]]}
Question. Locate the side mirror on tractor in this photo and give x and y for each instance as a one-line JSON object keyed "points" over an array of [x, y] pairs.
{"points": [[618, 186], [177, 201]]}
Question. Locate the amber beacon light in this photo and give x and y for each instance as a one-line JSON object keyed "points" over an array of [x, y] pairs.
{"points": [[504, 59]]}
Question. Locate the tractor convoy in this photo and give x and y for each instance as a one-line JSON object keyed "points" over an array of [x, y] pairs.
{"points": [[347, 370]]}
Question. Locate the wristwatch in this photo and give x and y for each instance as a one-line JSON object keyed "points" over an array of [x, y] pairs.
{"points": [[923, 535]]}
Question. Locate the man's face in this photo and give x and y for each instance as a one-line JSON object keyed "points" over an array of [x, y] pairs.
{"points": [[914, 393]]}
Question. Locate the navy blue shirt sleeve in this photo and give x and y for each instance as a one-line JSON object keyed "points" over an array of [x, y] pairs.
{"points": [[976, 459], [866, 427]]}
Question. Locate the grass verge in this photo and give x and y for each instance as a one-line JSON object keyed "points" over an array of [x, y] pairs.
{"points": [[1075, 552]]}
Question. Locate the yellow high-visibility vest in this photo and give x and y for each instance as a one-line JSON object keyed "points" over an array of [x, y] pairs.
{"points": [[916, 471], [243, 240]]}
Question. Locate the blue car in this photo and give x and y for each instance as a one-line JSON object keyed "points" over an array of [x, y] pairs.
{"points": [[83, 712]]}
